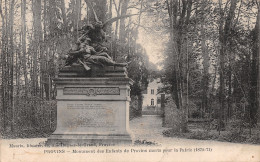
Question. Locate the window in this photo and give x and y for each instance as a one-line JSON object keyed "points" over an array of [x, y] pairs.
{"points": [[158, 100], [152, 91], [152, 102]]}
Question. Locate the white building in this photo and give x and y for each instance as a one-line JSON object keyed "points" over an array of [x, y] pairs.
{"points": [[151, 98]]}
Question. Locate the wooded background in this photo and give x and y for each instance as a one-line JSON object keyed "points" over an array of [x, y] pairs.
{"points": [[210, 56]]}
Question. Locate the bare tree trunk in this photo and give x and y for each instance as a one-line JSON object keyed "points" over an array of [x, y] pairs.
{"points": [[77, 16], [118, 13], [45, 65], [178, 25], [4, 68], [11, 53], [114, 41], [254, 82], [258, 80], [109, 28], [122, 32], [63, 13], [205, 80], [24, 60], [187, 85], [75, 13], [224, 32], [229, 89], [100, 8], [36, 56], [17, 64], [37, 43]]}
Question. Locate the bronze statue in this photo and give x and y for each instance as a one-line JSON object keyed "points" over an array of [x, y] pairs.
{"points": [[86, 54], [89, 48]]}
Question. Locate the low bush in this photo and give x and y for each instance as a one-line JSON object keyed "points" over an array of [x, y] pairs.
{"points": [[32, 117], [200, 135], [135, 108]]}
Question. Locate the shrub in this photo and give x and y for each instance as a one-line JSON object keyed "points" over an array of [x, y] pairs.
{"points": [[255, 139], [33, 117], [175, 118], [200, 135], [135, 108]]}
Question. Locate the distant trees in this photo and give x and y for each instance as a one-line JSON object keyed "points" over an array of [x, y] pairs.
{"points": [[211, 57], [7, 61]]}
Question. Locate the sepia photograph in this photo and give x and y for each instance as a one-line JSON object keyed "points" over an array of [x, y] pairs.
{"points": [[129, 80]]}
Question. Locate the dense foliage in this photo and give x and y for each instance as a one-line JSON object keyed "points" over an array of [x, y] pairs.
{"points": [[35, 36], [211, 58]]}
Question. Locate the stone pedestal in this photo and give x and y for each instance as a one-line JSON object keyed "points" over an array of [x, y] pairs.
{"points": [[92, 110]]}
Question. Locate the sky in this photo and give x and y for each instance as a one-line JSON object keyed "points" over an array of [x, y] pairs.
{"points": [[151, 40], [153, 45]]}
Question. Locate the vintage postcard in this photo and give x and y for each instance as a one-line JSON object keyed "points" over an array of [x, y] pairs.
{"points": [[129, 80]]}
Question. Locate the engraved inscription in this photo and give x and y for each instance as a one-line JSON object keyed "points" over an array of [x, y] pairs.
{"points": [[84, 106], [94, 115], [91, 91]]}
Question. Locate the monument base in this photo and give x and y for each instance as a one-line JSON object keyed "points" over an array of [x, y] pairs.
{"points": [[92, 110]]}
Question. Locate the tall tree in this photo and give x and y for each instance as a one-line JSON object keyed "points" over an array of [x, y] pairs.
{"points": [[254, 82], [258, 83], [205, 55], [225, 26], [63, 13], [100, 8], [3, 64], [38, 37], [179, 18], [122, 29], [7, 64], [23, 30]]}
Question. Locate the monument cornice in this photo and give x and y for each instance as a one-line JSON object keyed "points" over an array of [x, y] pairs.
{"points": [[94, 81]]}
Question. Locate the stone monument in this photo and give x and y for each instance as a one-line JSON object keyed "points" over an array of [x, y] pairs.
{"points": [[93, 95]]}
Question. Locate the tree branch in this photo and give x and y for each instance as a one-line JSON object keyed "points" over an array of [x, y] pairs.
{"points": [[238, 13], [1, 12]]}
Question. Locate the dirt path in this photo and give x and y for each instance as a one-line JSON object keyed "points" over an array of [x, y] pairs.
{"points": [[147, 128]]}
